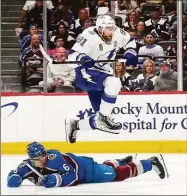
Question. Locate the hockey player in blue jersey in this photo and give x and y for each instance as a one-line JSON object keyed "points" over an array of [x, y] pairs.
{"points": [[60, 170], [100, 42]]}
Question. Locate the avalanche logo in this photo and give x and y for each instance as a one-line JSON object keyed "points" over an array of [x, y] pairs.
{"points": [[8, 109]]}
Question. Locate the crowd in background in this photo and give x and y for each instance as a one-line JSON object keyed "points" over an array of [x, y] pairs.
{"points": [[152, 23]]}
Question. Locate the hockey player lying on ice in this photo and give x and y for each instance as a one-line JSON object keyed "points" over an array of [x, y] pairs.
{"points": [[58, 170], [100, 42]]}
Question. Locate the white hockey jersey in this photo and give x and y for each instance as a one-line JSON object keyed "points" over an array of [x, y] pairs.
{"points": [[91, 44]]}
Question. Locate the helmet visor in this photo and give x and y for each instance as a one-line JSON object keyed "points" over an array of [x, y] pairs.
{"points": [[110, 29]]}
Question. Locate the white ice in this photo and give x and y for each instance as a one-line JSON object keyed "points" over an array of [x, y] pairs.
{"points": [[146, 184]]}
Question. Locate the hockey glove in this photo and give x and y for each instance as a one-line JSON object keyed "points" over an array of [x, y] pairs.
{"points": [[14, 180], [52, 180], [87, 62], [131, 56]]}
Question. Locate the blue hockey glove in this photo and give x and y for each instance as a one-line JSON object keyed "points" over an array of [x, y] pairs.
{"points": [[52, 180], [88, 61], [131, 56], [14, 180]]}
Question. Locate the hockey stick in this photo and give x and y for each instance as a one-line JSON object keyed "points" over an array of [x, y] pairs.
{"points": [[33, 169], [46, 56]]}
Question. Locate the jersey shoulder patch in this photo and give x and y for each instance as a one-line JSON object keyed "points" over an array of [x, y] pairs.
{"points": [[122, 31], [91, 32], [51, 156], [54, 156]]}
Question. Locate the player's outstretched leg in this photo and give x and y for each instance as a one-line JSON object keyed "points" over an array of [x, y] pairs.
{"points": [[129, 168], [112, 86]]}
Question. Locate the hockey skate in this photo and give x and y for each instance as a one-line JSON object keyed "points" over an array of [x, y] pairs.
{"points": [[106, 124], [71, 129], [159, 166], [127, 159]]}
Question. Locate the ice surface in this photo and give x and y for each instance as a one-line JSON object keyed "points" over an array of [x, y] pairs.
{"points": [[146, 184]]}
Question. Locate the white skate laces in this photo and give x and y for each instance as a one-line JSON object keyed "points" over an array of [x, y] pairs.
{"points": [[156, 169]]}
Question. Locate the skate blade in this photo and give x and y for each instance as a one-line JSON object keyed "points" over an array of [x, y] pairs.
{"points": [[164, 165], [66, 131]]}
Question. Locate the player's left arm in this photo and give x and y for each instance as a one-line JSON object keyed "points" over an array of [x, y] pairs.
{"points": [[15, 177], [130, 48]]}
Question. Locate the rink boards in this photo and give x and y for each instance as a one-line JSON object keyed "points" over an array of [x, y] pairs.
{"points": [[151, 123]]}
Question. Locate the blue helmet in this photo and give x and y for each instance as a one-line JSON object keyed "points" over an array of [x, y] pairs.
{"points": [[35, 149]]}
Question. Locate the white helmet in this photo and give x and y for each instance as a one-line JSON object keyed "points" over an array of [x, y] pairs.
{"points": [[105, 21]]}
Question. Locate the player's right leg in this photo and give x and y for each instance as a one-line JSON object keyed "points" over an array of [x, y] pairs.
{"points": [[100, 87], [135, 168], [96, 98]]}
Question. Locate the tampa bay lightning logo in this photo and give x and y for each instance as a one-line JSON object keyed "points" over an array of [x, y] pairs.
{"points": [[8, 109], [85, 113]]}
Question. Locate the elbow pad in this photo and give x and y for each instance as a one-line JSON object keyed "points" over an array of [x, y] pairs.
{"points": [[131, 57]]}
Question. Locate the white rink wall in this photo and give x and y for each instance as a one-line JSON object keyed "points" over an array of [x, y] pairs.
{"points": [[144, 117]]}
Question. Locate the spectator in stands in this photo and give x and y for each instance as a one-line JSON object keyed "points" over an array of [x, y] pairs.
{"points": [[126, 6], [167, 80], [75, 6], [140, 34], [35, 15], [170, 6], [120, 72], [31, 67], [32, 51], [156, 25], [148, 73], [173, 29], [59, 74], [171, 50], [80, 21], [88, 23], [102, 7], [131, 22], [33, 29], [98, 7], [150, 49], [64, 32], [185, 6], [141, 3], [59, 42], [139, 43], [63, 13], [26, 41], [132, 33], [140, 29], [30, 4]]}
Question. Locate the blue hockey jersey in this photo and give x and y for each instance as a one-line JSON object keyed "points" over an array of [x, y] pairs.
{"points": [[73, 169]]}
